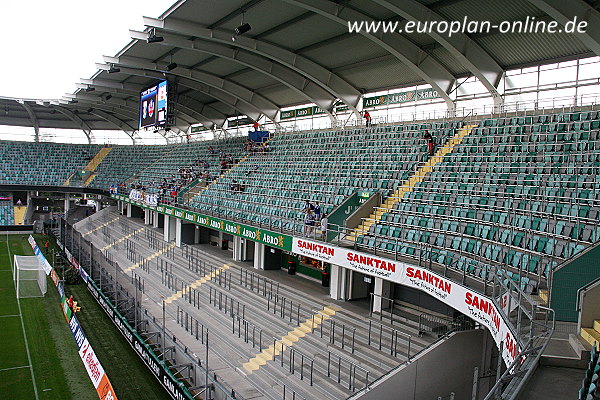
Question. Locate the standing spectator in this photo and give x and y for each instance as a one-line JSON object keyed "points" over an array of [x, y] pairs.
{"points": [[19, 203], [317, 211], [255, 125], [309, 223], [367, 117], [211, 150], [47, 246], [430, 143], [324, 223], [307, 206]]}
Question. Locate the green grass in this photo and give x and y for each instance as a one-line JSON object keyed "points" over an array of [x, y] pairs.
{"points": [[129, 376], [58, 370]]}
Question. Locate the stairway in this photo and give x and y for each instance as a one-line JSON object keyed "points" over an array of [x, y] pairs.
{"points": [[20, 214], [198, 188], [93, 164], [409, 184], [592, 335]]}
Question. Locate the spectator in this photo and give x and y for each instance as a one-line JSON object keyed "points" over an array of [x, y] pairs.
{"points": [[211, 150], [266, 147], [250, 171], [317, 210], [307, 206], [309, 223], [19, 203], [324, 223], [255, 125], [223, 166], [430, 143], [367, 117]]}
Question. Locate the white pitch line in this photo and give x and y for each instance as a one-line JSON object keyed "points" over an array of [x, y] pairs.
{"points": [[13, 315], [8, 369], [37, 397]]}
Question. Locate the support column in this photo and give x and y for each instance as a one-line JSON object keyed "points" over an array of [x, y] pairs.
{"points": [[197, 235], [167, 228], [155, 219], [67, 205], [378, 292], [147, 216], [178, 232], [337, 282], [237, 248], [129, 207], [259, 255]]}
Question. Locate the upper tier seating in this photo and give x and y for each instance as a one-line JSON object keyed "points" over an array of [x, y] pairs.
{"points": [[319, 166], [518, 193], [7, 212], [42, 163], [124, 162], [184, 155]]}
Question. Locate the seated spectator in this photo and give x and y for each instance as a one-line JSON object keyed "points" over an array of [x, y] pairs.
{"points": [[211, 150], [266, 147], [254, 169]]}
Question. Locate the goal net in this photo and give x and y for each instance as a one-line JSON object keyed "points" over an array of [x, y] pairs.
{"points": [[29, 276]]}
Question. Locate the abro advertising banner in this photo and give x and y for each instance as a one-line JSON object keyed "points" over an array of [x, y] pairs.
{"points": [[461, 298]]}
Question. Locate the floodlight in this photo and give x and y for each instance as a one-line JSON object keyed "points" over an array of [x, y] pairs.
{"points": [[171, 66], [152, 38], [240, 30]]}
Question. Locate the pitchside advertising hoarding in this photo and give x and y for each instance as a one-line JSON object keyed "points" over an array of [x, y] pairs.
{"points": [[468, 302], [175, 388], [92, 364], [86, 352]]}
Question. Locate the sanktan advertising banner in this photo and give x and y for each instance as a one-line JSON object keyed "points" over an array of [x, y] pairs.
{"points": [[461, 298], [273, 239]]}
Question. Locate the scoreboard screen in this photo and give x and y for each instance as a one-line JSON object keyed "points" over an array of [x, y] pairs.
{"points": [[153, 105]]}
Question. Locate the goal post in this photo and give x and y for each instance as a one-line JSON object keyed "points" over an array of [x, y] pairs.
{"points": [[29, 276]]}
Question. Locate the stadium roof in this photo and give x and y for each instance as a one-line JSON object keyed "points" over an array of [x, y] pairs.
{"points": [[300, 51]]}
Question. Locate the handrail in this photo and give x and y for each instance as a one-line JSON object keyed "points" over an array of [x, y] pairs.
{"points": [[582, 290]]}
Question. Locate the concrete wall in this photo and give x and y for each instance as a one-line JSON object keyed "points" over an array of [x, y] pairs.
{"points": [[445, 368], [590, 307]]}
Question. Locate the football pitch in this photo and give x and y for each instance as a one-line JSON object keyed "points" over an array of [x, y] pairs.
{"points": [[38, 356]]}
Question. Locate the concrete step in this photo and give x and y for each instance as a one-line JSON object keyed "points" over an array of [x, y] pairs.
{"points": [[591, 335]]}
